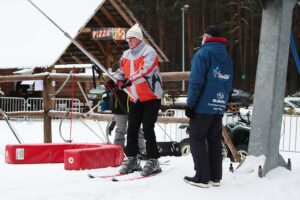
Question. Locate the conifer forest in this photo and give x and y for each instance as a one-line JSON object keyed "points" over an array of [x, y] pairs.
{"points": [[239, 20]]}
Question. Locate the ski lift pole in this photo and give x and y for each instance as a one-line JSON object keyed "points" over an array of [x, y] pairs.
{"points": [[91, 57], [10, 125]]}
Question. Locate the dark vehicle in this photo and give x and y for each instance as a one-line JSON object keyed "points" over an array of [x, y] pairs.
{"points": [[296, 94], [239, 132], [242, 97]]}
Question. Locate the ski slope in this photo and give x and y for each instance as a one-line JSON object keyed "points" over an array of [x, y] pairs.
{"points": [[52, 182]]}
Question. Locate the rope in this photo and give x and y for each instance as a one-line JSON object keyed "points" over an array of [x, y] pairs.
{"points": [[60, 124], [62, 86]]}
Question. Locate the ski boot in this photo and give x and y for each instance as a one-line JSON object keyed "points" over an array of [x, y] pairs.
{"points": [[151, 166], [129, 165]]}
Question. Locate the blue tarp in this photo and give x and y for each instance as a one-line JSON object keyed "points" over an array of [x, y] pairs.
{"points": [[295, 53]]}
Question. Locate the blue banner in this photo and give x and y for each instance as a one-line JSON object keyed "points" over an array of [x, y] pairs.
{"points": [[295, 53]]}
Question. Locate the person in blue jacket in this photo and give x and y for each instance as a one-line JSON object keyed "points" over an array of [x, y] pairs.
{"points": [[209, 87]]}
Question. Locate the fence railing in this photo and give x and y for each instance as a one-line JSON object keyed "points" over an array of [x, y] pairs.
{"points": [[13, 104], [10, 104]]}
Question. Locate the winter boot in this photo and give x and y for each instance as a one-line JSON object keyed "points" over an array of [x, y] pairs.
{"points": [[196, 182], [129, 165], [151, 166]]}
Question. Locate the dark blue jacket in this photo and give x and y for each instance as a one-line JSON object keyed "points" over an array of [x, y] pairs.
{"points": [[210, 80]]}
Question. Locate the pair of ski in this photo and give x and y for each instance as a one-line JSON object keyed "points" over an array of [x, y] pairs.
{"points": [[114, 177]]}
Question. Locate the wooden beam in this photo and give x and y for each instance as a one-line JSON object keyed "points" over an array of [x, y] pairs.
{"points": [[13, 78], [47, 108], [101, 47], [166, 76], [109, 16], [25, 114], [61, 61], [122, 13], [98, 21], [86, 30], [108, 54], [115, 59], [87, 50], [77, 59], [93, 116]]}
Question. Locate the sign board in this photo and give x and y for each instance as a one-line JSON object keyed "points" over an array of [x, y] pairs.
{"points": [[109, 33]]}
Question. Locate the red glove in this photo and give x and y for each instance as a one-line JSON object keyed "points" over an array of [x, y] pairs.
{"points": [[109, 85], [123, 84]]}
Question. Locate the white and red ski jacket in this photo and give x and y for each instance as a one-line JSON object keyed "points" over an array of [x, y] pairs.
{"points": [[140, 65]]}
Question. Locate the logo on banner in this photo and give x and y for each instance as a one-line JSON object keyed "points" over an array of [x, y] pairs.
{"points": [[218, 74], [109, 33]]}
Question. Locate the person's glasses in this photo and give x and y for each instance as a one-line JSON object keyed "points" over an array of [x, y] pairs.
{"points": [[130, 39]]}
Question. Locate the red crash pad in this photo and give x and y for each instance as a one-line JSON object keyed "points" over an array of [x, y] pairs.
{"points": [[74, 156]]}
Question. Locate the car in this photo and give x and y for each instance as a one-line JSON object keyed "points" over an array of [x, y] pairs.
{"points": [[292, 103], [296, 94], [242, 97]]}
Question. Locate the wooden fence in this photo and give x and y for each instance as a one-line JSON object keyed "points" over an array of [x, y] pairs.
{"points": [[48, 113]]}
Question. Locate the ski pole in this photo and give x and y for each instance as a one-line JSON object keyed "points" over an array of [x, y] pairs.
{"points": [[90, 56]]}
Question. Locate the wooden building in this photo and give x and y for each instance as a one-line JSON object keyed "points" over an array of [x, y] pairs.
{"points": [[30, 41]]}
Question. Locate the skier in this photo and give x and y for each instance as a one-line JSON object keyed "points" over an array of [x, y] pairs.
{"points": [[120, 109], [140, 74]]}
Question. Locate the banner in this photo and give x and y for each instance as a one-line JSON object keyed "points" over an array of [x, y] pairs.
{"points": [[109, 33]]}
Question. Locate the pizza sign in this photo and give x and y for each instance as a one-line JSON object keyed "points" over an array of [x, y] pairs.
{"points": [[109, 34]]}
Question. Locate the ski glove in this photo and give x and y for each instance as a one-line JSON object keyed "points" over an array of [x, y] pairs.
{"points": [[189, 112], [109, 85], [124, 83]]}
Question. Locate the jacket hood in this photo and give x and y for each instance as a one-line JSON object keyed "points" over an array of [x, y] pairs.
{"points": [[217, 47]]}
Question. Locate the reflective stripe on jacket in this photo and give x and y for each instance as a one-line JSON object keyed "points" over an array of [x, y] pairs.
{"points": [[140, 65]]}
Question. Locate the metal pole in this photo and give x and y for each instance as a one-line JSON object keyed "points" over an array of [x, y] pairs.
{"points": [[183, 59], [183, 9], [269, 92], [90, 56]]}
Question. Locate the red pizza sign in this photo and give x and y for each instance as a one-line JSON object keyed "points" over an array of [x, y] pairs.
{"points": [[109, 33]]}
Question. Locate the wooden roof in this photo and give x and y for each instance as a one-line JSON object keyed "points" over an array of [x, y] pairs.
{"points": [[112, 13]]}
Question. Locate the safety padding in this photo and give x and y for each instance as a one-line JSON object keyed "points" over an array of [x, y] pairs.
{"points": [[99, 157], [74, 156]]}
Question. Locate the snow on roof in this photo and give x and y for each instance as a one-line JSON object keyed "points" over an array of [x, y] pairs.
{"points": [[28, 39]]}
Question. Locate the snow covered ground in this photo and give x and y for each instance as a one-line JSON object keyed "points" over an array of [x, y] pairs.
{"points": [[52, 182]]}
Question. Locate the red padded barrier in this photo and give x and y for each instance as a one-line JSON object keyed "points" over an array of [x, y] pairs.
{"points": [[108, 155], [74, 156]]}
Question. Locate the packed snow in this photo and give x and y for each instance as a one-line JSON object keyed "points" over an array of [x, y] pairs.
{"points": [[52, 182]]}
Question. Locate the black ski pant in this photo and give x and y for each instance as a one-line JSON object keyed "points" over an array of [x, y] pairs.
{"points": [[144, 113], [207, 158]]}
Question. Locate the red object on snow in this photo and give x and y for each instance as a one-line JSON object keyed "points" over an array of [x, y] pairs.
{"points": [[74, 156]]}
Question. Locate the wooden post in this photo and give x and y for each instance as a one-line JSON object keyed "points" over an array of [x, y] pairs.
{"points": [[47, 108], [230, 145]]}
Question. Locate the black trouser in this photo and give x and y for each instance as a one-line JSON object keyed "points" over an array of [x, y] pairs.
{"points": [[207, 159], [142, 113]]}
